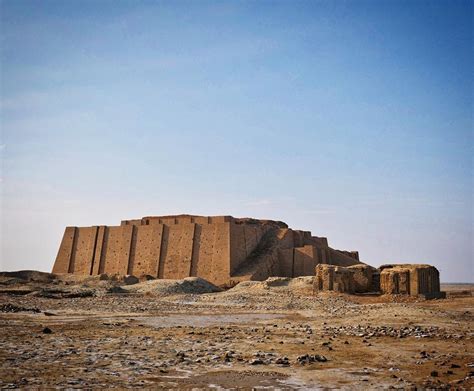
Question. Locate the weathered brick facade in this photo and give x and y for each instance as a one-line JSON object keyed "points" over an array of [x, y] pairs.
{"points": [[222, 249], [410, 279]]}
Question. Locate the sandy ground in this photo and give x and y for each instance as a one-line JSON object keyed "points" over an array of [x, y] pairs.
{"points": [[262, 335]]}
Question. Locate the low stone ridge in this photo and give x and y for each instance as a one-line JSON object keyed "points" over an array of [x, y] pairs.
{"points": [[221, 249]]}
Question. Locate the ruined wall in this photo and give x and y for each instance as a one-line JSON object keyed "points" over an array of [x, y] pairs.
{"points": [[395, 281], [179, 251], [410, 279], [77, 250], [319, 241], [63, 258], [333, 278], [146, 250], [388, 282], [213, 251], [337, 257], [351, 254], [178, 219], [425, 280], [285, 260], [284, 253], [363, 278], [324, 278], [167, 251], [298, 261], [305, 259]]}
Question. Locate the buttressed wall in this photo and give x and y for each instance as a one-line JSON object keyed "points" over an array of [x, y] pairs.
{"points": [[334, 278], [410, 279], [222, 249]]}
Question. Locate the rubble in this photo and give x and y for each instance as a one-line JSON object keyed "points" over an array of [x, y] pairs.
{"points": [[14, 308]]}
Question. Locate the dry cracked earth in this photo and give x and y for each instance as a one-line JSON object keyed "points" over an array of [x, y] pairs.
{"points": [[62, 333]]}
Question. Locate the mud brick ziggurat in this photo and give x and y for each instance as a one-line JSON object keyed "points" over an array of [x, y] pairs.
{"points": [[226, 250], [221, 249]]}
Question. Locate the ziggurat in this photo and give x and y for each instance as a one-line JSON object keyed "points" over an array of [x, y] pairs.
{"points": [[221, 249]]}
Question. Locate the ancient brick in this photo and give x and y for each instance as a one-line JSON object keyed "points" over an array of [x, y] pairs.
{"points": [[363, 278], [410, 279], [220, 249], [333, 278]]}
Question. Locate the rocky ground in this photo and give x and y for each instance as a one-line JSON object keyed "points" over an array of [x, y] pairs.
{"points": [[91, 333]]}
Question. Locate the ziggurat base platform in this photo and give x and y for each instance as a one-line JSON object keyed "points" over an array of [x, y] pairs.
{"points": [[221, 249]]}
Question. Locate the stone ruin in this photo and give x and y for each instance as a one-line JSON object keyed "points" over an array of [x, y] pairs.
{"points": [[221, 249], [352, 279], [226, 250], [365, 278], [409, 279], [334, 278]]}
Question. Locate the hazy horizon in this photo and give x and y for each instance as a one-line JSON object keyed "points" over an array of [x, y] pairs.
{"points": [[351, 119]]}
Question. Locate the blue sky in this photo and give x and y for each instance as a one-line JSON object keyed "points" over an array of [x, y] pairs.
{"points": [[352, 119]]}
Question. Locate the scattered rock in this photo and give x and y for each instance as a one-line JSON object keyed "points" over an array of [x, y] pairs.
{"points": [[308, 359], [14, 308], [117, 290], [130, 280], [30, 276], [282, 361]]}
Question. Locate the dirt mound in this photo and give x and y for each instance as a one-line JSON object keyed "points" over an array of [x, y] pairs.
{"points": [[29, 276], [49, 285], [14, 308], [285, 283], [302, 282], [75, 279], [189, 285], [77, 292]]}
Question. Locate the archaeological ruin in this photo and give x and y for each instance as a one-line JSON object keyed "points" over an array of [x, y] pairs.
{"points": [[334, 278], [410, 279], [226, 250], [401, 279], [221, 249], [357, 278]]}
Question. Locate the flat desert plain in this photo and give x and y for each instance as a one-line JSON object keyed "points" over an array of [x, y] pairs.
{"points": [[91, 332]]}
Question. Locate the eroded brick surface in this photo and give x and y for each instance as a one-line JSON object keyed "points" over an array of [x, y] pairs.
{"points": [[221, 249]]}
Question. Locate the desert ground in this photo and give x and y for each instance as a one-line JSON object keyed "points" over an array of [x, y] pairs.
{"points": [[97, 332]]}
